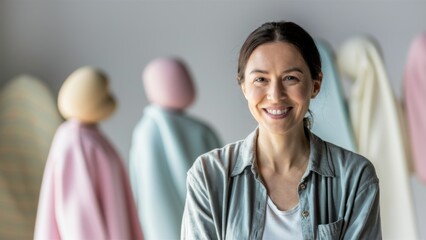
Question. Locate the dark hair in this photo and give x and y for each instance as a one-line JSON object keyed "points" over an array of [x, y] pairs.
{"points": [[282, 31]]}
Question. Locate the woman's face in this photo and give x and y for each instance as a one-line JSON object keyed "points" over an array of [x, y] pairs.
{"points": [[278, 87]]}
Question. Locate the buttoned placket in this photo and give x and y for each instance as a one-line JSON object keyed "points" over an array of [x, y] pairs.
{"points": [[305, 211], [261, 200]]}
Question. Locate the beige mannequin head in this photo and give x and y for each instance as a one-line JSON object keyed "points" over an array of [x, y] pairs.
{"points": [[85, 96]]}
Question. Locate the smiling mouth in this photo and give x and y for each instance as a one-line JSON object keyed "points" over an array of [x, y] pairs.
{"points": [[278, 112]]}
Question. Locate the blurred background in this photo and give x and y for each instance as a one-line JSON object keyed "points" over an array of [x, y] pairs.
{"points": [[50, 39]]}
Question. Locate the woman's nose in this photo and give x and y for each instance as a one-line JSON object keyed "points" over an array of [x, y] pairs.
{"points": [[276, 92]]}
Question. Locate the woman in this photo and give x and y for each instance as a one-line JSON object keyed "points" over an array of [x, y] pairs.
{"points": [[282, 181]]}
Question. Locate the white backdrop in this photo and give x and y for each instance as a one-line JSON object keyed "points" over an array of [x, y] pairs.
{"points": [[50, 39]]}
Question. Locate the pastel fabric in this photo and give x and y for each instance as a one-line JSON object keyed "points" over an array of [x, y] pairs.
{"points": [[165, 144], [379, 134], [331, 119], [415, 100], [28, 121], [86, 192]]}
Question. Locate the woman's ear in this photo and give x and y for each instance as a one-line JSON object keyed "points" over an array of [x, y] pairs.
{"points": [[317, 85], [243, 88]]}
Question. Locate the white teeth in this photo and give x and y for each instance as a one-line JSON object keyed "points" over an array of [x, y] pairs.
{"points": [[277, 111]]}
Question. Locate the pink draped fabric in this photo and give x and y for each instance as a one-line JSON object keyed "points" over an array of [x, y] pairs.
{"points": [[85, 192], [415, 102]]}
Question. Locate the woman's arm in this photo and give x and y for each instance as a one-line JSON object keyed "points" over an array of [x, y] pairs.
{"points": [[365, 220], [198, 221]]}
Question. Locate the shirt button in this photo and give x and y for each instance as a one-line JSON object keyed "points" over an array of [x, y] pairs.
{"points": [[302, 186], [305, 214]]}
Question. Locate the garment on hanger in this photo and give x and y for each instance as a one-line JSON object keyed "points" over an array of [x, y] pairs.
{"points": [[415, 102], [28, 121], [86, 193], [330, 113], [379, 134], [165, 144]]}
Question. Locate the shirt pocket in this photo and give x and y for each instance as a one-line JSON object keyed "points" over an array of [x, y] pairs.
{"points": [[330, 231]]}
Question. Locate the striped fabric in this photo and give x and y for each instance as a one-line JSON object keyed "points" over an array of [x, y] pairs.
{"points": [[28, 120]]}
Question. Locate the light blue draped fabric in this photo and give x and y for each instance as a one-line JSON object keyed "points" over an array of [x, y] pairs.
{"points": [[165, 145], [331, 119]]}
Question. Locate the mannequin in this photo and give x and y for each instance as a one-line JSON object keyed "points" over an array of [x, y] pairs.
{"points": [[165, 143], [85, 192]]}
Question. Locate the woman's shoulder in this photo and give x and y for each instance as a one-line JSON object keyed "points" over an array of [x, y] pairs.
{"points": [[222, 163], [343, 162], [219, 160]]}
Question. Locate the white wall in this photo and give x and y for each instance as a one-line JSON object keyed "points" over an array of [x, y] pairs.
{"points": [[50, 39]]}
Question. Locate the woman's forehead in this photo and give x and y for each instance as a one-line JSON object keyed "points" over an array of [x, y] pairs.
{"points": [[275, 55]]}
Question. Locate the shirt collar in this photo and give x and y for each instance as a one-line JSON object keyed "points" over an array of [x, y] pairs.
{"points": [[319, 160], [318, 157], [247, 153]]}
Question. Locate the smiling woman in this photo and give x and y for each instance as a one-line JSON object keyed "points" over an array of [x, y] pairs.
{"points": [[282, 181], [278, 87]]}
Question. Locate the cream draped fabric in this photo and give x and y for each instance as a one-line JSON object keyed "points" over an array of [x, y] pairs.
{"points": [[379, 134]]}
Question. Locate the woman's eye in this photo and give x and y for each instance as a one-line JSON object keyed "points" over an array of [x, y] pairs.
{"points": [[260, 79], [290, 78]]}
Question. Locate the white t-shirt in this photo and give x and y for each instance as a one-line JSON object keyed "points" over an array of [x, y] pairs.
{"points": [[282, 224]]}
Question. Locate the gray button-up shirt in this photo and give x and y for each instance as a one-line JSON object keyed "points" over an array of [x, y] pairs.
{"points": [[226, 199]]}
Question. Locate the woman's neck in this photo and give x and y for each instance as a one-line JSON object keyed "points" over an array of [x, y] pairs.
{"points": [[283, 152]]}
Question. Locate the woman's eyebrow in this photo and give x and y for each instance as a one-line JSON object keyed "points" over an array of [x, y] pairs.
{"points": [[293, 69], [258, 71]]}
